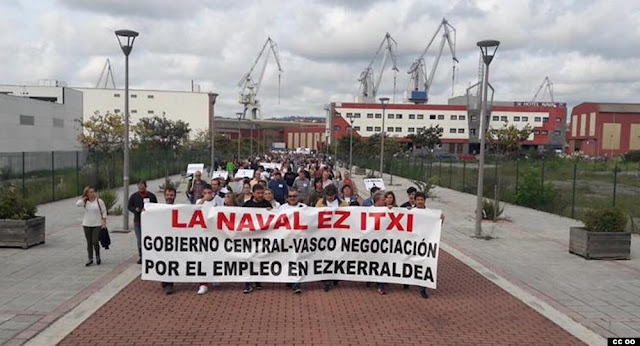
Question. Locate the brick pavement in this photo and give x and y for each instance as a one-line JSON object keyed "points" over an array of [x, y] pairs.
{"points": [[466, 309]]}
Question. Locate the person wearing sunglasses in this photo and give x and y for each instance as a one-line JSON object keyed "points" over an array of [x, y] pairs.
{"points": [[293, 202]]}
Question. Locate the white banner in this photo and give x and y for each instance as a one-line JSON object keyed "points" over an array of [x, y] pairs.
{"points": [[374, 182], [220, 174], [244, 173], [194, 167], [190, 243]]}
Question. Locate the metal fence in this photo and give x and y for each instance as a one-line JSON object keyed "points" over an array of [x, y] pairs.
{"points": [[44, 177], [559, 186]]}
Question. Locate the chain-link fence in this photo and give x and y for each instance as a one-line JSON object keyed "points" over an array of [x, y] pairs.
{"points": [[49, 176], [559, 186]]}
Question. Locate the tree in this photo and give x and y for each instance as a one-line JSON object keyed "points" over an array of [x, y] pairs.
{"points": [[372, 146], [158, 132], [104, 133], [201, 141], [508, 138], [427, 137]]}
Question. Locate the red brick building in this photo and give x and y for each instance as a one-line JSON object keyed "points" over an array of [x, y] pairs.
{"points": [[604, 129]]}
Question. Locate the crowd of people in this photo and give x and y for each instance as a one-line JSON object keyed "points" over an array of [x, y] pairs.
{"points": [[291, 181]]}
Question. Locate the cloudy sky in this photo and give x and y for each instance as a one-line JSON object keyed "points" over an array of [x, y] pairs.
{"points": [[590, 49]]}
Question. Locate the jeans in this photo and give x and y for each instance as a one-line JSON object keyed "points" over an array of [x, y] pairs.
{"points": [[138, 229], [92, 235]]}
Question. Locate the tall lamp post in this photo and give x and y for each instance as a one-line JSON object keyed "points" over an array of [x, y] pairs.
{"points": [[126, 39], [384, 101], [239, 115], [350, 144], [488, 49], [251, 143]]}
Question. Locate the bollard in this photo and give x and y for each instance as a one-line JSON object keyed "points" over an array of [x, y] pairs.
{"points": [[573, 198]]}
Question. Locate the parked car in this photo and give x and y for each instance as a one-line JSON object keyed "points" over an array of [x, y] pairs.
{"points": [[467, 157]]}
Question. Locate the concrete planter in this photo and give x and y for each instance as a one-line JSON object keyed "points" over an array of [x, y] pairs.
{"points": [[599, 245], [22, 233]]}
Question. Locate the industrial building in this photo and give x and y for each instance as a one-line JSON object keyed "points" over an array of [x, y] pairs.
{"points": [[460, 130], [604, 129]]}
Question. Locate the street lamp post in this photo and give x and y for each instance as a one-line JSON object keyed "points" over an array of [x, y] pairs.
{"points": [[239, 133], [251, 143], [488, 49], [351, 145], [126, 39], [384, 101]]}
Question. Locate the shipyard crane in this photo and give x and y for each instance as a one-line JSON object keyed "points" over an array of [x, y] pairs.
{"points": [[547, 85], [420, 83], [250, 84], [107, 74], [369, 89]]}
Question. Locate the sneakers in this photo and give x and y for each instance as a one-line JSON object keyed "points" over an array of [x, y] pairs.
{"points": [[248, 288], [258, 286], [139, 260], [424, 292], [98, 260], [203, 289], [381, 291], [168, 289], [89, 262], [297, 290]]}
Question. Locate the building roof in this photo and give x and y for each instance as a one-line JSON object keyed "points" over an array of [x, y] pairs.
{"points": [[619, 107]]}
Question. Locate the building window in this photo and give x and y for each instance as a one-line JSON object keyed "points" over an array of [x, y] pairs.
{"points": [[370, 115], [460, 130], [149, 96], [398, 116], [440, 116], [378, 128], [545, 120], [57, 122], [27, 120], [411, 129], [398, 129], [390, 116], [412, 116], [516, 118], [557, 133], [370, 128], [378, 116], [356, 115], [336, 128], [536, 132], [420, 116], [525, 119], [454, 117], [545, 132], [389, 129], [472, 132], [134, 96], [537, 119], [461, 117], [503, 118], [452, 130], [116, 95], [134, 111], [432, 116], [495, 118], [149, 112], [356, 128], [349, 115], [116, 110], [558, 119]]}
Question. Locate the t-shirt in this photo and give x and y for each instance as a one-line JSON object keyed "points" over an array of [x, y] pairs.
{"points": [[290, 177], [287, 206], [407, 204], [335, 203], [253, 204]]}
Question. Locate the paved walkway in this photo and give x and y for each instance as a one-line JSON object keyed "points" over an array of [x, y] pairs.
{"points": [[530, 250], [41, 284], [466, 309]]}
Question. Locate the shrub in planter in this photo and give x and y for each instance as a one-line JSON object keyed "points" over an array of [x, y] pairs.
{"points": [[19, 225], [14, 207], [110, 199], [603, 236], [491, 210]]}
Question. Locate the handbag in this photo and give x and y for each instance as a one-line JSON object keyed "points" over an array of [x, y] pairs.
{"points": [[105, 240]]}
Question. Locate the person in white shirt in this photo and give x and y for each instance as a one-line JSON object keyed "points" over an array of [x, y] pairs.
{"points": [[268, 196], [93, 221], [293, 202], [208, 201]]}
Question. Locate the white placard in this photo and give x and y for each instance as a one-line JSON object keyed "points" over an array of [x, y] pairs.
{"points": [[371, 182], [200, 243], [193, 167], [220, 174], [244, 173]]}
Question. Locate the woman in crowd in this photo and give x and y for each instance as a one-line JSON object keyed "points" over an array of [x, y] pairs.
{"points": [[390, 199], [230, 199], [245, 195], [349, 197], [93, 221], [316, 194], [268, 196], [337, 178]]}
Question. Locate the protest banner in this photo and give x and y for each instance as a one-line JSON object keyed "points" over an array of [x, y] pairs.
{"points": [[194, 167], [371, 182], [244, 173], [220, 174], [193, 243]]}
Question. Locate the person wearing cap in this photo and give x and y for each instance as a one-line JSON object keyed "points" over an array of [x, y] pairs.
{"points": [[279, 188]]}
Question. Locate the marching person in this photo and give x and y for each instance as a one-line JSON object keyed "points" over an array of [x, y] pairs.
{"points": [[257, 201], [421, 199], [303, 185], [379, 200], [330, 200], [390, 199], [316, 194], [169, 198], [93, 221], [195, 192], [245, 195], [347, 181], [352, 199], [369, 201], [293, 202], [136, 206], [279, 188], [411, 194], [268, 196]]}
